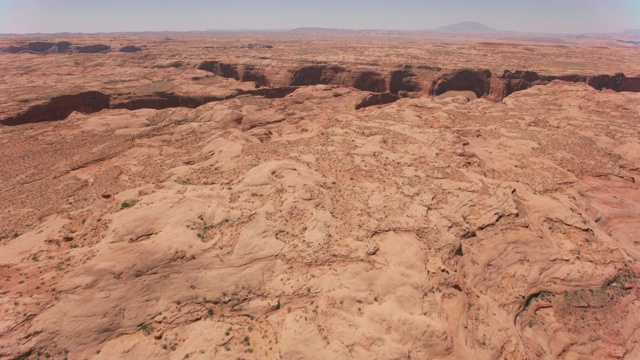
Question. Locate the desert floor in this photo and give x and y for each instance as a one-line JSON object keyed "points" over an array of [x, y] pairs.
{"points": [[218, 195]]}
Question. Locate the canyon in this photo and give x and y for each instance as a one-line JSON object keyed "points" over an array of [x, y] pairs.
{"points": [[389, 86], [318, 195]]}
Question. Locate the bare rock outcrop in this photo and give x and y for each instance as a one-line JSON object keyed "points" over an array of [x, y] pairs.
{"points": [[410, 79], [234, 71], [183, 213], [376, 99], [220, 69], [60, 107], [496, 87], [617, 82], [168, 64], [316, 75], [384, 89], [403, 81], [370, 81]]}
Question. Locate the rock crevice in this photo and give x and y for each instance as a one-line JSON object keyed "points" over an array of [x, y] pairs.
{"points": [[408, 80], [383, 88], [60, 107]]}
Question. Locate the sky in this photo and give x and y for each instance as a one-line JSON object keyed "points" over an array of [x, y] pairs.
{"points": [[549, 16]]}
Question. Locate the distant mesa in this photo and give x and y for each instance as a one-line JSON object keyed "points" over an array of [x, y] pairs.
{"points": [[130, 49], [92, 49], [468, 27]]}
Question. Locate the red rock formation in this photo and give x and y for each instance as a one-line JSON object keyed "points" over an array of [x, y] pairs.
{"points": [[234, 71], [251, 73], [370, 81], [631, 84], [281, 222], [385, 88], [485, 84], [376, 99], [220, 69], [410, 80], [61, 107], [403, 81], [617, 82], [315, 75]]}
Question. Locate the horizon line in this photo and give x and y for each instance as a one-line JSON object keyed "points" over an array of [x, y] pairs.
{"points": [[276, 30]]}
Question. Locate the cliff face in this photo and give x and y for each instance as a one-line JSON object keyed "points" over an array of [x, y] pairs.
{"points": [[385, 88], [412, 79], [60, 107]]}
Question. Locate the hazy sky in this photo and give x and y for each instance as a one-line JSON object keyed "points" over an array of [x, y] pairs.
{"points": [[561, 16]]}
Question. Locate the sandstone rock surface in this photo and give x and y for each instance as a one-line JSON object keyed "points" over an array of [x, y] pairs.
{"points": [[272, 203]]}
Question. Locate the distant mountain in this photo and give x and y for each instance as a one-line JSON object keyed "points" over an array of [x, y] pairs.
{"points": [[468, 27]]}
